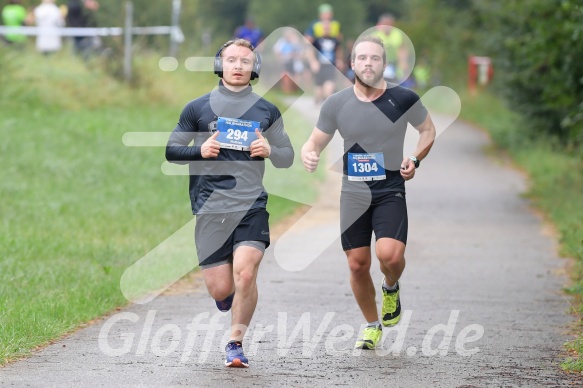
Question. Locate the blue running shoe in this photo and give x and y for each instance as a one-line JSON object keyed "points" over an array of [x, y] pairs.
{"points": [[225, 305], [235, 357]]}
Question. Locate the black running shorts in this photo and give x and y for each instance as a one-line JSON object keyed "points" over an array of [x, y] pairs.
{"points": [[218, 235], [385, 214]]}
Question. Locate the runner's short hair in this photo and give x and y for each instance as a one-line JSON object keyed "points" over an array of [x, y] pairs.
{"points": [[372, 39], [236, 42]]}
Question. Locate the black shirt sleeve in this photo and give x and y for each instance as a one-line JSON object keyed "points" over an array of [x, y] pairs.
{"points": [[178, 149], [282, 152]]}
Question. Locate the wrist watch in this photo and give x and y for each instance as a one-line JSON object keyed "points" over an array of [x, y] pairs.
{"points": [[415, 161]]}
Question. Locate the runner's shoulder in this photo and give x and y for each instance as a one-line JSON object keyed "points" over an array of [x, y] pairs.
{"points": [[198, 102], [262, 102], [404, 96], [339, 98]]}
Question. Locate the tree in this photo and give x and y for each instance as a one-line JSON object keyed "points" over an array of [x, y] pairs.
{"points": [[538, 47]]}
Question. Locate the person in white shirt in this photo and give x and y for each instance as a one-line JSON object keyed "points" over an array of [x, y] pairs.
{"points": [[48, 18]]}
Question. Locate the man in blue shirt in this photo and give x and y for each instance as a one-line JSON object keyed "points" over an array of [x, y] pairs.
{"points": [[250, 32]]}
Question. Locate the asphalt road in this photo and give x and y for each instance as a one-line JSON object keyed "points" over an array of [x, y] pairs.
{"points": [[481, 296]]}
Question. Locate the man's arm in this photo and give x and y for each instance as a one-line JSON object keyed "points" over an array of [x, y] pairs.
{"points": [[314, 146], [279, 147], [178, 149], [426, 138], [274, 143]]}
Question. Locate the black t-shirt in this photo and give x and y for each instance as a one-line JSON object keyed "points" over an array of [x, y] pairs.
{"points": [[376, 127], [326, 47]]}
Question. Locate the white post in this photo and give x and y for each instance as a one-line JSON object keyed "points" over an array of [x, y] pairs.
{"points": [[176, 6], [127, 68]]}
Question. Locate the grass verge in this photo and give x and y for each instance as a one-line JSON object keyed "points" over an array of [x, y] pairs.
{"points": [[78, 207]]}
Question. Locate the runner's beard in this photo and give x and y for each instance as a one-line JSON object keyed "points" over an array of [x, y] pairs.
{"points": [[371, 84]]}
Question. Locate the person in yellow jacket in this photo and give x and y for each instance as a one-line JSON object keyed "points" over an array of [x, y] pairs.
{"points": [[326, 37], [397, 53], [325, 21]]}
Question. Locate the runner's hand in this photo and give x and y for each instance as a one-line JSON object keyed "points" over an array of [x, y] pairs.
{"points": [[407, 169], [211, 147], [311, 160], [260, 147]]}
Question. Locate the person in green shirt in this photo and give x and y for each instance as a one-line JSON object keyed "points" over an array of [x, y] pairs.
{"points": [[14, 15], [422, 74]]}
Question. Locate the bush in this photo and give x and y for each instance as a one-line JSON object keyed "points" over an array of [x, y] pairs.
{"points": [[537, 47]]}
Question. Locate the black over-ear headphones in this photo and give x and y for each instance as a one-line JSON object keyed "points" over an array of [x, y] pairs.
{"points": [[219, 61]]}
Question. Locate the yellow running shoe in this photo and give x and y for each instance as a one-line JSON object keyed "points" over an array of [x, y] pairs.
{"points": [[369, 338], [391, 311]]}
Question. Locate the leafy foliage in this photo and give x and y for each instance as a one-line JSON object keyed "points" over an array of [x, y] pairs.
{"points": [[537, 49], [535, 44]]}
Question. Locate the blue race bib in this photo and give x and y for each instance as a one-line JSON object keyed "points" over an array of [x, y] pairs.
{"points": [[237, 134], [366, 167]]}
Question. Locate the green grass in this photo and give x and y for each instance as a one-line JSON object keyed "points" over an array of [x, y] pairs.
{"points": [[78, 207], [556, 188]]}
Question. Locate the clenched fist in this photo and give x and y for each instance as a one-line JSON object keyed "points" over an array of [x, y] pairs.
{"points": [[260, 147], [211, 147]]}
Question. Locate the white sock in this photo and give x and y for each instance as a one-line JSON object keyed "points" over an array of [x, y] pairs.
{"points": [[373, 324], [389, 288]]}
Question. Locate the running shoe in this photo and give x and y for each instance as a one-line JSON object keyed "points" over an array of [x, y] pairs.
{"points": [[369, 338], [391, 311], [225, 305], [235, 357]]}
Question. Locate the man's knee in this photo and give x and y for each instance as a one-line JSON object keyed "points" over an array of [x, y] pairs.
{"points": [[391, 259], [219, 281], [359, 264], [219, 291], [391, 253], [245, 278]]}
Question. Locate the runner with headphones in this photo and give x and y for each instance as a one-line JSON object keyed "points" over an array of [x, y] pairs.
{"points": [[234, 130]]}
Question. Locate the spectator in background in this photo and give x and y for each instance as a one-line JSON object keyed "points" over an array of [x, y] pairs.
{"points": [[324, 61], [250, 32], [289, 53], [326, 37], [48, 18], [397, 53], [422, 74], [81, 14], [349, 73], [14, 15], [316, 29]]}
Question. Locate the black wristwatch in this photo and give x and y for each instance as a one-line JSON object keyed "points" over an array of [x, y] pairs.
{"points": [[415, 161]]}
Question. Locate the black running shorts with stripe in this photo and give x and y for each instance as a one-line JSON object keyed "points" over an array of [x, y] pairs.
{"points": [[385, 214]]}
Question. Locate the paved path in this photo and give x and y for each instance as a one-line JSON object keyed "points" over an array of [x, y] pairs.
{"points": [[477, 258]]}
